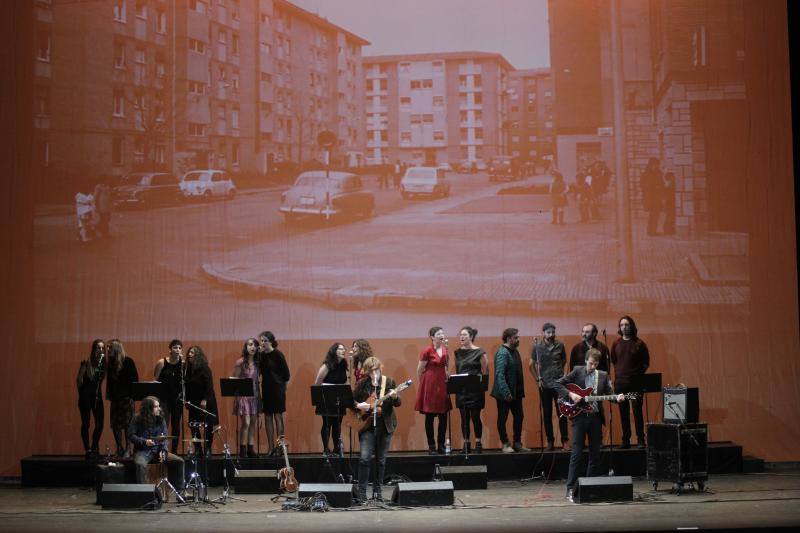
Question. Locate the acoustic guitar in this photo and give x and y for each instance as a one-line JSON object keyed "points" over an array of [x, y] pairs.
{"points": [[572, 409], [286, 475], [363, 420]]}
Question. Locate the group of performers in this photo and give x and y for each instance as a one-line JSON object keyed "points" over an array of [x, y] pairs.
{"points": [[188, 380]]}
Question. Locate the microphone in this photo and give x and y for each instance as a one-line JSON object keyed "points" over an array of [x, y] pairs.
{"points": [[672, 403]]}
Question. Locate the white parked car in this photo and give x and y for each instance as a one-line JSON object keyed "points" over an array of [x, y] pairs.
{"points": [[207, 184], [424, 180]]}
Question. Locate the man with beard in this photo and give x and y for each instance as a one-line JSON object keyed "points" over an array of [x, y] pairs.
{"points": [[547, 365], [509, 389], [631, 358], [577, 356]]}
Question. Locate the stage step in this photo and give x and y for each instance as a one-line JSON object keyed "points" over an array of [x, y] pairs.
{"points": [[71, 471]]}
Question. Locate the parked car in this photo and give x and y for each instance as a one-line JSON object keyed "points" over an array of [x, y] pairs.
{"points": [[147, 189], [504, 168], [424, 180], [336, 194], [207, 184]]}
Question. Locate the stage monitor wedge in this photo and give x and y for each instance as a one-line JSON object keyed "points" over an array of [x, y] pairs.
{"points": [[424, 494], [338, 494], [604, 489], [129, 496]]}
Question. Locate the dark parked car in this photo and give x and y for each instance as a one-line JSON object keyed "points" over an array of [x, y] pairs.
{"points": [[504, 168], [336, 195], [147, 189]]}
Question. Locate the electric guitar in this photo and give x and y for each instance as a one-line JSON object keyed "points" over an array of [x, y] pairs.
{"points": [[286, 475], [572, 409], [363, 420]]}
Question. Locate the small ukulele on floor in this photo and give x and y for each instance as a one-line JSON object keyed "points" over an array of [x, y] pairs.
{"points": [[286, 474]]}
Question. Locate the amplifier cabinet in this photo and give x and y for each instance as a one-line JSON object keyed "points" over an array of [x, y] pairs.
{"points": [[677, 453]]}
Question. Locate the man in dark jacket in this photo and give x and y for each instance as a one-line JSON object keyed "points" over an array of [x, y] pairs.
{"points": [[589, 422], [547, 365], [631, 358], [509, 389], [375, 440]]}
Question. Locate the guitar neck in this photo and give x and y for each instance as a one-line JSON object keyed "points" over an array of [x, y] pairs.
{"points": [[600, 398]]}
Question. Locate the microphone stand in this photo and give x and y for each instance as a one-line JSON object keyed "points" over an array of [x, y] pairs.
{"points": [[181, 400], [98, 393]]}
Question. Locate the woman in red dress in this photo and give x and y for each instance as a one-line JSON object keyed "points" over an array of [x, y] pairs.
{"points": [[432, 398], [360, 352]]}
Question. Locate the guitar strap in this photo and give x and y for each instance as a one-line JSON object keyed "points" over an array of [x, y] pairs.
{"points": [[383, 387]]}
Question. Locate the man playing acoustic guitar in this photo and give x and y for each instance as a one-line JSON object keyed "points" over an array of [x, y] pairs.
{"points": [[379, 439], [590, 420]]}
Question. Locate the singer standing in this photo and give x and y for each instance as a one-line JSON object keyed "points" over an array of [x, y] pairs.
{"points": [[122, 374], [471, 359], [577, 356], [432, 398], [547, 362], [333, 371], [170, 371], [360, 352], [276, 375], [90, 401], [200, 392], [631, 358]]}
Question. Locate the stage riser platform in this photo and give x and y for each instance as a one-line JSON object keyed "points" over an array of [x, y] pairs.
{"points": [[75, 471]]}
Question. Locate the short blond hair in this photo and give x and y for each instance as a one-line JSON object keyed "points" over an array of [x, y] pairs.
{"points": [[372, 363]]}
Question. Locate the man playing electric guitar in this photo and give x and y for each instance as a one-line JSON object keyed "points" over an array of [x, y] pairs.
{"points": [[375, 440], [590, 421]]}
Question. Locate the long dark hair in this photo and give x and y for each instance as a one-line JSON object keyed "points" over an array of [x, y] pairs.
{"points": [[116, 356], [200, 360], [364, 351], [93, 359], [331, 361], [634, 330], [245, 354], [270, 337], [147, 413]]}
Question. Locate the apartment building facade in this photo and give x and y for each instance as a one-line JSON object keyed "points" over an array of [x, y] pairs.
{"points": [[125, 85], [530, 114], [434, 109]]}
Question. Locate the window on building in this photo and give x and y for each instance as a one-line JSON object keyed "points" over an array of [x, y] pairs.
{"points": [[264, 18], [235, 118], [197, 87], [416, 84], [384, 85], [427, 84], [547, 94], [405, 100], [161, 22], [222, 36], [531, 108], [463, 116], [265, 48], [478, 98], [140, 56], [44, 153], [462, 81], [368, 86], [43, 42], [159, 110], [478, 115], [416, 119], [120, 14], [479, 133], [438, 101], [161, 66], [235, 154], [515, 139], [197, 5], [514, 109], [438, 135], [384, 136], [531, 97], [464, 134], [405, 136], [437, 66], [119, 102], [476, 80], [42, 101], [119, 55], [427, 118], [197, 46], [235, 9], [141, 9], [515, 125], [196, 129], [404, 67], [235, 44]]}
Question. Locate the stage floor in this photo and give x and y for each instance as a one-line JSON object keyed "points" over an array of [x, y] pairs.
{"points": [[731, 501]]}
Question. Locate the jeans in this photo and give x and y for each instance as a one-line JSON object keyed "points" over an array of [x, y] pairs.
{"points": [[548, 397], [368, 446], [582, 425], [503, 408], [175, 474]]}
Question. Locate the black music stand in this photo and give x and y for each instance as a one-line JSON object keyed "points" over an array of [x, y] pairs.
{"points": [[646, 383], [142, 389], [464, 384], [236, 387], [333, 400]]}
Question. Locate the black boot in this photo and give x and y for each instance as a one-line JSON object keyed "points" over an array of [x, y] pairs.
{"points": [[251, 451], [242, 450], [478, 447]]}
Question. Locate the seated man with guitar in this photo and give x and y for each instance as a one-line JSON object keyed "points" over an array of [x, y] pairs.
{"points": [[375, 391], [578, 403]]}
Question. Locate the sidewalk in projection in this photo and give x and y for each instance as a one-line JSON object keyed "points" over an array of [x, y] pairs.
{"points": [[219, 269], [492, 252]]}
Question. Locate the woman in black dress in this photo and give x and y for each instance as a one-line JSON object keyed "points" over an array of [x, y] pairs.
{"points": [[122, 374], [275, 377], [333, 371], [170, 371], [471, 359], [200, 392], [90, 401]]}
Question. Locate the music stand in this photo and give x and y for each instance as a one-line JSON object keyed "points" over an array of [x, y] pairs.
{"points": [[142, 389], [333, 400], [236, 387], [645, 383], [464, 384]]}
